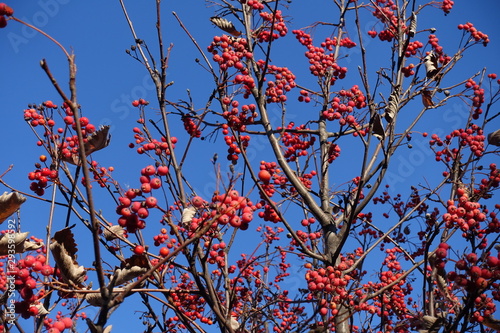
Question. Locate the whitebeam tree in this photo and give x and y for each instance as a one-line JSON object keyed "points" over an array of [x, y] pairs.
{"points": [[319, 205]]}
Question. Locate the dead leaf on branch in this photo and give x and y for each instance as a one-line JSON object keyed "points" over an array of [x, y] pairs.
{"points": [[431, 64], [63, 248], [225, 25], [392, 106], [114, 232], [9, 203], [95, 141], [133, 267], [17, 241], [187, 215], [494, 138], [427, 98], [377, 127], [413, 25]]}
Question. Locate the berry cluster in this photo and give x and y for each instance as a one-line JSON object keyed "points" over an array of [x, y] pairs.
{"points": [[191, 127], [4, 11], [344, 104], [412, 48], [232, 52], [255, 4], [465, 214], [477, 99], [237, 119], [133, 212], [152, 145], [322, 63], [408, 70], [477, 35], [272, 23], [267, 171], [304, 96], [41, 177], [333, 152], [234, 150], [472, 137], [284, 81], [447, 5], [297, 142], [384, 11]]}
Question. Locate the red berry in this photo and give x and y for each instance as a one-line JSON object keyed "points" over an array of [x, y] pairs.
{"points": [[264, 176], [139, 250]]}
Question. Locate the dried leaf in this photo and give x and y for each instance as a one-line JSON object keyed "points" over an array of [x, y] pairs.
{"points": [[225, 25], [188, 214], [413, 25], [18, 242], [95, 298], [392, 106], [431, 64], [133, 267], [9, 203], [494, 138], [95, 141], [63, 248], [427, 98], [491, 322], [377, 127], [234, 324], [113, 232]]}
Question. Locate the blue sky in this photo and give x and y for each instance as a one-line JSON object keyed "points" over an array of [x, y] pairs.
{"points": [[108, 80]]}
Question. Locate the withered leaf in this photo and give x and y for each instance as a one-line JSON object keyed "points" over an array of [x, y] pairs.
{"points": [[114, 232], [225, 25], [377, 127], [133, 267], [431, 64], [9, 203], [20, 241], [95, 141], [187, 215], [494, 138], [392, 106], [63, 248], [413, 25], [427, 98]]}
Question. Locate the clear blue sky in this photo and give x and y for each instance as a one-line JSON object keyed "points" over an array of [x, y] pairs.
{"points": [[108, 80]]}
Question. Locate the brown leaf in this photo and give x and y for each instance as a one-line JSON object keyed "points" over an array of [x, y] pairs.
{"points": [[133, 267], [18, 242], [494, 138], [94, 142], [427, 98], [9, 203], [63, 248], [377, 127], [431, 64], [392, 106], [413, 25], [225, 25], [113, 232], [491, 322]]}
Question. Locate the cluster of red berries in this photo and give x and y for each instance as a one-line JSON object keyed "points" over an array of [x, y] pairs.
{"points": [[322, 63], [191, 305], [231, 208], [486, 186], [465, 214], [255, 4], [267, 171], [329, 43], [61, 323], [478, 274], [26, 275], [4, 11], [138, 102], [40, 178], [412, 48], [408, 70], [472, 137], [297, 142], [447, 5], [493, 76], [344, 104], [272, 22], [232, 52], [333, 152], [269, 214], [133, 212], [284, 81], [191, 127], [237, 119], [477, 35], [101, 174], [217, 255], [233, 149], [304, 96], [384, 11], [478, 98], [153, 145]]}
